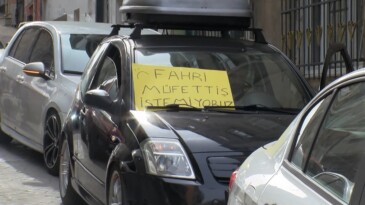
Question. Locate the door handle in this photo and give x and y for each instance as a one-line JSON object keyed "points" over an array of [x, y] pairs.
{"points": [[20, 78], [2, 69], [83, 111], [114, 139]]}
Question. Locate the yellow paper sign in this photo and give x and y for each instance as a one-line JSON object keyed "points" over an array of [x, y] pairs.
{"points": [[162, 85]]}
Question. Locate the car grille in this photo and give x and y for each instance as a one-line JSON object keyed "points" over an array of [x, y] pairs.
{"points": [[222, 167]]}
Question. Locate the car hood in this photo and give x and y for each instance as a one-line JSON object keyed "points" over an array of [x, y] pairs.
{"points": [[213, 131]]}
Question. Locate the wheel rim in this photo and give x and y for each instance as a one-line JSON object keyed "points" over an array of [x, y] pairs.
{"points": [[51, 138], [64, 168], [115, 190]]}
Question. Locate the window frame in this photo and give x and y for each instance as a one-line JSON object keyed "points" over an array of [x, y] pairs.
{"points": [[359, 187], [88, 75], [297, 134], [51, 68], [99, 67], [13, 50]]}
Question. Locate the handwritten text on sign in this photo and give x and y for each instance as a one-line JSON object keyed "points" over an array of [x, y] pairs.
{"points": [[162, 85]]}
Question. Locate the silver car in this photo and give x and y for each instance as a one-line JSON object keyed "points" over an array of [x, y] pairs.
{"points": [[319, 159], [39, 71]]}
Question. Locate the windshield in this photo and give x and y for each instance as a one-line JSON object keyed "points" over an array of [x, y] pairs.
{"points": [[206, 78], [77, 50]]}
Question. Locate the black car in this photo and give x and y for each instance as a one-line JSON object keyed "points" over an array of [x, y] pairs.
{"points": [[165, 119]]}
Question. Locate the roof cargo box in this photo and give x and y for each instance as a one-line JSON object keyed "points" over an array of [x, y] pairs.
{"points": [[219, 13]]}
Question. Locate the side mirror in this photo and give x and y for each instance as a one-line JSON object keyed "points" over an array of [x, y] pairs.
{"points": [[35, 69], [338, 182], [98, 98]]}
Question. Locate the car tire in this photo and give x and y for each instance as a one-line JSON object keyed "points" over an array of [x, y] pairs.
{"points": [[116, 187], [4, 138], [67, 192], [51, 145]]}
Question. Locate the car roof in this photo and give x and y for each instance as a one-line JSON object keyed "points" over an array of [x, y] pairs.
{"points": [[360, 73], [66, 27], [353, 75]]}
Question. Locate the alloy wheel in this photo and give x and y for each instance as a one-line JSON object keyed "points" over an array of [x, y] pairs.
{"points": [[64, 168], [51, 143], [115, 189]]}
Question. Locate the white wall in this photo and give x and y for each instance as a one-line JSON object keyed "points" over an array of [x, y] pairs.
{"points": [[114, 14]]}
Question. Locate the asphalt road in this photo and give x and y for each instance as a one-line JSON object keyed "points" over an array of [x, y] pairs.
{"points": [[23, 178]]}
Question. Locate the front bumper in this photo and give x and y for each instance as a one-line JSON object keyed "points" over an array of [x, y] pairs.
{"points": [[212, 171], [143, 189]]}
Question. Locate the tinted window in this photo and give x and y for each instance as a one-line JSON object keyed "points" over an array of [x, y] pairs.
{"points": [[308, 131], [339, 147], [92, 65], [43, 50], [106, 77], [15, 45], [24, 47]]}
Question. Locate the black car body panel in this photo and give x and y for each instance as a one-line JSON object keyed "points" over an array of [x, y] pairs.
{"points": [[216, 132]]}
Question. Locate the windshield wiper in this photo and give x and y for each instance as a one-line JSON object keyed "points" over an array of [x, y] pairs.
{"points": [[257, 107], [174, 107]]}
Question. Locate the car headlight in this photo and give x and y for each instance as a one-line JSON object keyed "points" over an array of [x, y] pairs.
{"points": [[166, 157]]}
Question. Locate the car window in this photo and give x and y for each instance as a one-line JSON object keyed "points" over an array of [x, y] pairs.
{"points": [[43, 50], [278, 79], [15, 45], [106, 77], [92, 66], [76, 50], [254, 77], [308, 131], [339, 146], [22, 50]]}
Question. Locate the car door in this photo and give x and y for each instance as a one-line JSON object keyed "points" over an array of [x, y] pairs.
{"points": [[11, 77], [327, 154], [34, 92], [99, 131]]}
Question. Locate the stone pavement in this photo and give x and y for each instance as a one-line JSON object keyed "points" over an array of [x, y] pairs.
{"points": [[23, 178]]}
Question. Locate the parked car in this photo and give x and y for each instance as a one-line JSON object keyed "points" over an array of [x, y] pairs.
{"points": [[39, 72], [165, 119], [319, 159]]}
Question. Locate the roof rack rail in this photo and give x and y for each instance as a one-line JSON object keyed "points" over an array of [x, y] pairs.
{"points": [[117, 27], [138, 27]]}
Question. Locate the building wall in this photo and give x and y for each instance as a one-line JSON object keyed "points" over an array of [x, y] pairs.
{"points": [[114, 14], [267, 15], [65, 9]]}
